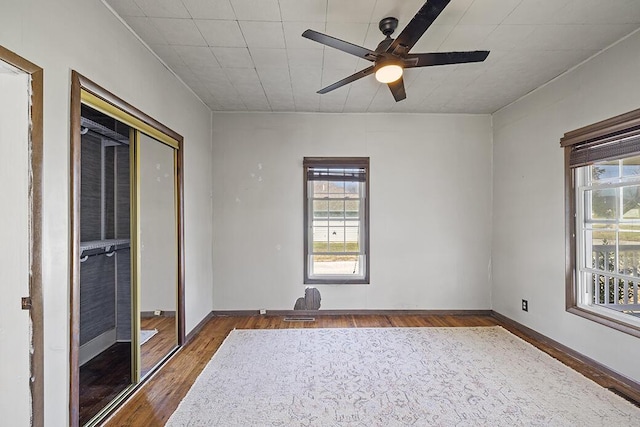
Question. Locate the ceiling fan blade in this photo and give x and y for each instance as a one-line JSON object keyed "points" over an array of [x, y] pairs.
{"points": [[397, 89], [342, 45], [443, 58], [417, 26], [352, 78]]}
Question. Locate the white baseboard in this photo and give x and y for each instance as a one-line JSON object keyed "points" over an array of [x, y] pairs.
{"points": [[92, 348]]}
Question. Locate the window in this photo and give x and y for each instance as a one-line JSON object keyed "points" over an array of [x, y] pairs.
{"points": [[603, 221], [336, 220]]}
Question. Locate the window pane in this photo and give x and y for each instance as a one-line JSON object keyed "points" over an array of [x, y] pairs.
{"points": [[603, 203], [631, 166], [352, 208], [336, 188], [629, 253], [320, 189], [352, 189], [320, 209], [631, 202], [352, 239], [346, 265], [336, 238], [336, 209], [605, 170], [602, 240], [320, 239]]}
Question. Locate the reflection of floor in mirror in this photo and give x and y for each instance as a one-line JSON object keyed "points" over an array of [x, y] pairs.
{"points": [[102, 378], [146, 335], [160, 344]]}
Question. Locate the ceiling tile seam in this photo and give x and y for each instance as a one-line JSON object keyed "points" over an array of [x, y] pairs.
{"points": [[260, 80], [236, 15], [446, 104], [237, 21], [373, 97], [153, 25], [444, 39], [326, 19], [128, 27], [192, 18], [426, 95], [509, 14], [324, 49], [226, 77], [371, 17]]}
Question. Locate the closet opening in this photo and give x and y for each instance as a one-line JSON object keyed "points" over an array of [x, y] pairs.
{"points": [[105, 353]]}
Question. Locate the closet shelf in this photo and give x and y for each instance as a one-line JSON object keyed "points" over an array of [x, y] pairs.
{"points": [[103, 131], [107, 245]]}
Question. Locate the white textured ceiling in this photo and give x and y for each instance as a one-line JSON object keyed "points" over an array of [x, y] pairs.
{"points": [[249, 55]]}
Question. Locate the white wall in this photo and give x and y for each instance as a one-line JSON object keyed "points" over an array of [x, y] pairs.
{"points": [[83, 35], [430, 208], [528, 224]]}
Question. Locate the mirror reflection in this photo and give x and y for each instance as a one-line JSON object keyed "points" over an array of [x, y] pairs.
{"points": [[158, 276]]}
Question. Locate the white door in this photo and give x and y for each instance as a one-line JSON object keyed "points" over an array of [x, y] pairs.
{"points": [[15, 328]]}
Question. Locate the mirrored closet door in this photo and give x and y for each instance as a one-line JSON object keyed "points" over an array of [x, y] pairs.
{"points": [[158, 254], [127, 277]]}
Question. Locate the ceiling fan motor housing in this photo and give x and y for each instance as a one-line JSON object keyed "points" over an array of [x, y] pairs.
{"points": [[388, 25]]}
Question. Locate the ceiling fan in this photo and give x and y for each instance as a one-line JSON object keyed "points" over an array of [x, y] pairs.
{"points": [[392, 56]]}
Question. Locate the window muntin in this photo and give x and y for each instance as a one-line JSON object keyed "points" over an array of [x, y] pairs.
{"points": [[336, 220]]}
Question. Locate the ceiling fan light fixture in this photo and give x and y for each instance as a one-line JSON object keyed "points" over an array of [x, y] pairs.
{"points": [[389, 73]]}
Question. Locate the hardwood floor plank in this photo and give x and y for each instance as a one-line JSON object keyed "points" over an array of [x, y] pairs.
{"points": [[160, 396]]}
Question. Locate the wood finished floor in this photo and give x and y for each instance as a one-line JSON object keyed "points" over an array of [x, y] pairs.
{"points": [[154, 403]]}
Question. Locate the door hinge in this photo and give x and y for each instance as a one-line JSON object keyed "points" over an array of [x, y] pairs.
{"points": [[26, 303]]}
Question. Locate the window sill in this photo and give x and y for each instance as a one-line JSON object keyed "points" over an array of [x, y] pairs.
{"points": [[335, 281], [616, 324]]}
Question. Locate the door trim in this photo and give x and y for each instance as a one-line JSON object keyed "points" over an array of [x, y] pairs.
{"points": [[36, 362]]}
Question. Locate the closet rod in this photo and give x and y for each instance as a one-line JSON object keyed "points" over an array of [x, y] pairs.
{"points": [[111, 252], [105, 245]]}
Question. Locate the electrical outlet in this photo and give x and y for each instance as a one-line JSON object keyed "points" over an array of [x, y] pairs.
{"points": [[263, 311], [525, 305], [157, 312]]}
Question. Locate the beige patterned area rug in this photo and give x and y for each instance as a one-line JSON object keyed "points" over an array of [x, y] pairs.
{"points": [[482, 376]]}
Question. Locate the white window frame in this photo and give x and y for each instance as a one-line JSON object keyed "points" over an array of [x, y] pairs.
{"points": [[584, 272]]}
